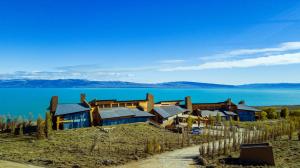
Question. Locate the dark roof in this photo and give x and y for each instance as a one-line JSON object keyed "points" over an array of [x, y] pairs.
{"points": [[63, 109], [117, 112], [115, 100], [246, 108], [207, 113], [168, 111], [229, 113], [168, 101]]}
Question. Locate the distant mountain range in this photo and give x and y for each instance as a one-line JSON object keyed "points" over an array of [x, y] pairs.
{"points": [[76, 83]]}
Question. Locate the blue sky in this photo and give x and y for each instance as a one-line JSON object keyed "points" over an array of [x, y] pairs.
{"points": [[230, 42]]}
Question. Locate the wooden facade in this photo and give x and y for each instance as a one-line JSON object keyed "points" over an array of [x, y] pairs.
{"points": [[221, 106]]}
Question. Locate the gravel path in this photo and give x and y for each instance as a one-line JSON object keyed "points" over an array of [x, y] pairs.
{"points": [[8, 164], [180, 158]]}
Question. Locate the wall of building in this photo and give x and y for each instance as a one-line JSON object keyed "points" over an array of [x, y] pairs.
{"points": [[123, 121], [76, 120], [246, 115]]}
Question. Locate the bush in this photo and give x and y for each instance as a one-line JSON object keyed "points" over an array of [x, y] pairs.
{"points": [[40, 128], [264, 115], [190, 122], [48, 128], [218, 117], [284, 113], [295, 113], [271, 113]]}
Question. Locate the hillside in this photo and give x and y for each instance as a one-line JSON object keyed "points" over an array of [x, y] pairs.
{"points": [[77, 83]]}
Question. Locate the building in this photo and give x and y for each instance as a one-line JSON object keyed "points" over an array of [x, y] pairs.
{"points": [[71, 115], [166, 112], [112, 112], [246, 113], [122, 115], [227, 108], [208, 113]]}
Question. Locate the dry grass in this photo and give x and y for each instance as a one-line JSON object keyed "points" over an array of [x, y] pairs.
{"points": [[87, 147], [286, 154]]}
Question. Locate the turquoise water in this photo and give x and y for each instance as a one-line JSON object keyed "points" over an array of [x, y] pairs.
{"points": [[22, 101]]}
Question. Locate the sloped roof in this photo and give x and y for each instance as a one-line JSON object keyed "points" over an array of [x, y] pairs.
{"points": [[168, 111], [247, 108], [229, 113], [169, 101], [63, 109], [122, 112], [207, 113]]}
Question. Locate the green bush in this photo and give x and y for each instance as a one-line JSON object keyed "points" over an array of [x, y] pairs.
{"points": [[264, 115], [40, 128], [48, 128], [284, 113], [271, 113]]}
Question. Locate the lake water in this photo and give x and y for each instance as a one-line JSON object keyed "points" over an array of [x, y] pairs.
{"points": [[22, 101]]}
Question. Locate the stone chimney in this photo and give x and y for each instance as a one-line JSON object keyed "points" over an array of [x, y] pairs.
{"points": [[188, 103], [53, 104], [228, 101], [82, 98], [150, 99]]}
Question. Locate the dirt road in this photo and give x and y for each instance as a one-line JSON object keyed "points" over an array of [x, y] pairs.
{"points": [[7, 164], [181, 158]]}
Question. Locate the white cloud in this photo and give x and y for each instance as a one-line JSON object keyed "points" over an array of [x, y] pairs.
{"points": [[283, 47], [281, 59], [51, 75]]}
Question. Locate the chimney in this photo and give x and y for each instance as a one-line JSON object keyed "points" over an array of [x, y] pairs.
{"points": [[82, 98], [53, 104], [150, 99], [188, 103], [228, 101]]}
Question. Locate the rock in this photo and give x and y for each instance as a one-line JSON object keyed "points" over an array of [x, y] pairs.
{"points": [[202, 161], [210, 166], [31, 141], [46, 161], [76, 166], [106, 162]]}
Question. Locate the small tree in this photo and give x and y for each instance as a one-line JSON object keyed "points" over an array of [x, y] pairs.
{"points": [[284, 113], [264, 115], [190, 122], [21, 129], [210, 119], [219, 119], [40, 128], [48, 128]]}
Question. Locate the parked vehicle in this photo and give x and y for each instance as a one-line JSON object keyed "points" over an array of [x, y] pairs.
{"points": [[196, 131]]}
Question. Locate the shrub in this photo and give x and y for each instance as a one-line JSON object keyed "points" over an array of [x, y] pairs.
{"points": [[190, 122], [21, 129], [284, 113], [48, 128], [264, 115], [271, 113], [40, 128], [219, 119]]}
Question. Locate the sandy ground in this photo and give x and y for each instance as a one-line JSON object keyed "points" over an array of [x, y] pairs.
{"points": [[180, 158], [7, 164]]}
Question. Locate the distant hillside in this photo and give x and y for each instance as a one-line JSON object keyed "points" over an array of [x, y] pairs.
{"points": [[272, 85], [76, 83]]}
